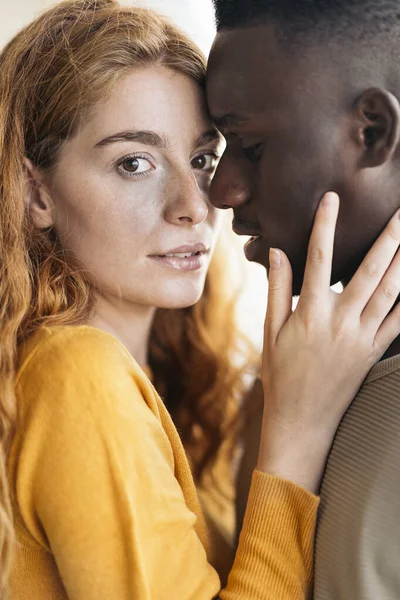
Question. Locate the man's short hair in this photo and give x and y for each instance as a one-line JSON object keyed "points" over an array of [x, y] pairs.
{"points": [[304, 16]]}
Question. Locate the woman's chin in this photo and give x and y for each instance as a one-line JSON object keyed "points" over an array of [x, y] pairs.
{"points": [[180, 296]]}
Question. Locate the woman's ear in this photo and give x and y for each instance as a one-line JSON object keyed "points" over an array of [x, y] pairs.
{"points": [[377, 114], [37, 197]]}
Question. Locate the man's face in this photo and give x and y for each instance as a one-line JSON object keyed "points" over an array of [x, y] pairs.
{"points": [[286, 116]]}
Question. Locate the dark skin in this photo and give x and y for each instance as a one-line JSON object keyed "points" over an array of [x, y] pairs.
{"points": [[300, 121]]}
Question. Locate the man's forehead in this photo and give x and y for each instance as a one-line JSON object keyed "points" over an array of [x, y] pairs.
{"points": [[244, 69], [250, 74], [234, 93]]}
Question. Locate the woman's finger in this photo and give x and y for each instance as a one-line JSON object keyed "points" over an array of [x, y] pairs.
{"points": [[374, 266], [317, 276], [388, 332], [280, 283], [384, 296]]}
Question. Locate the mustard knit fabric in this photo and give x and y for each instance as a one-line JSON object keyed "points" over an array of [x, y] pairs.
{"points": [[104, 501]]}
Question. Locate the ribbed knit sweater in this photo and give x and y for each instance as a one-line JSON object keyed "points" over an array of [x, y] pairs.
{"points": [[358, 540], [104, 501]]}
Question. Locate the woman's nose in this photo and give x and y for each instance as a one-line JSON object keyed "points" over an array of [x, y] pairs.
{"points": [[188, 204]]}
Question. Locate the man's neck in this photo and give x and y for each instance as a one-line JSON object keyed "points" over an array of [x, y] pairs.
{"points": [[393, 349]]}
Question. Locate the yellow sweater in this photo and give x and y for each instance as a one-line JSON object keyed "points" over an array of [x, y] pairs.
{"points": [[104, 501]]}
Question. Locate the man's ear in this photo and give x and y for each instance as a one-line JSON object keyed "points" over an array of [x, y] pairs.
{"points": [[377, 114], [38, 201]]}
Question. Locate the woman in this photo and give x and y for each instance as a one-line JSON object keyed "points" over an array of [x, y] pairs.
{"points": [[106, 156]]}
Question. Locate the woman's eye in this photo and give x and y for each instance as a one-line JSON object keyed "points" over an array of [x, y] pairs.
{"points": [[135, 165], [254, 153], [205, 162]]}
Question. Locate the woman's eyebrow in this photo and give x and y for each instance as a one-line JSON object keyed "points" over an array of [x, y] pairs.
{"points": [[208, 137], [149, 138]]}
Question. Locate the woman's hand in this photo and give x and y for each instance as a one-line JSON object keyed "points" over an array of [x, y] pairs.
{"points": [[316, 358]]}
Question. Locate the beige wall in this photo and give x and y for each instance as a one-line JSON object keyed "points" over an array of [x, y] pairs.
{"points": [[16, 13], [195, 16]]}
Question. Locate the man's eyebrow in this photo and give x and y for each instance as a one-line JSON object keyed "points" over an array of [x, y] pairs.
{"points": [[229, 120], [208, 137], [149, 138]]}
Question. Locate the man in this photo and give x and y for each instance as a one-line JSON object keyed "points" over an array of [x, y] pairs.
{"points": [[306, 93]]}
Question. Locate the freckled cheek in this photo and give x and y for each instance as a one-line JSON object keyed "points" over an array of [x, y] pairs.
{"points": [[105, 223]]}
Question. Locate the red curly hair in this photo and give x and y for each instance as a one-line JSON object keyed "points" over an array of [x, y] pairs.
{"points": [[50, 73]]}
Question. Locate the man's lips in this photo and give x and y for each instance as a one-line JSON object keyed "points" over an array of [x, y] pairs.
{"points": [[250, 229]]}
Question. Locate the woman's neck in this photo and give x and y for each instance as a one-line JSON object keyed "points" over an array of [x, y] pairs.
{"points": [[129, 323]]}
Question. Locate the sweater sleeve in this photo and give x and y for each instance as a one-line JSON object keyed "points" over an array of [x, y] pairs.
{"points": [[96, 487], [274, 558]]}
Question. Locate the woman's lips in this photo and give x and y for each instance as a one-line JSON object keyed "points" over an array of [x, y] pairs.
{"points": [[182, 262], [184, 258]]}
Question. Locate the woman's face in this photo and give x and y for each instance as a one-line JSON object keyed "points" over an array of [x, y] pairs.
{"points": [[130, 190]]}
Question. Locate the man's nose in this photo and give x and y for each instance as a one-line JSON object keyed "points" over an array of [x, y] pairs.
{"points": [[230, 187]]}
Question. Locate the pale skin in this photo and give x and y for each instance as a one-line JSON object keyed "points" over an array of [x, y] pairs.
{"points": [[355, 333], [120, 202], [292, 444], [115, 221]]}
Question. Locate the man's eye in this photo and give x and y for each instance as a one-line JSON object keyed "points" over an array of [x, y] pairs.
{"points": [[254, 153], [205, 162]]}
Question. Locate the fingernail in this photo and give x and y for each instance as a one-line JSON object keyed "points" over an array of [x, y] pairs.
{"points": [[330, 199], [274, 258]]}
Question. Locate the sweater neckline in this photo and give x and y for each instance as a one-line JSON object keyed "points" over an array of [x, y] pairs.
{"points": [[383, 368]]}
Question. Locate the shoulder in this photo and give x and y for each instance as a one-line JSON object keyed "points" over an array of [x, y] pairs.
{"points": [[79, 366], [81, 348]]}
